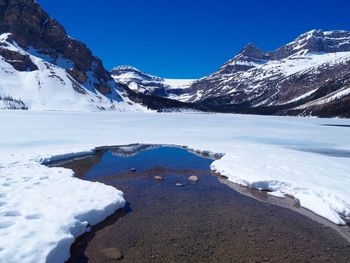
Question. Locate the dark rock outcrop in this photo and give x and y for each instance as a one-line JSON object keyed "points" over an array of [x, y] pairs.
{"points": [[18, 61]]}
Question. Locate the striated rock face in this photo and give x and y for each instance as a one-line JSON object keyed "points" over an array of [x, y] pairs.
{"points": [[33, 29]]}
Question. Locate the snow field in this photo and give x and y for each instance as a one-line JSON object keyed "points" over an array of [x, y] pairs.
{"points": [[43, 209]]}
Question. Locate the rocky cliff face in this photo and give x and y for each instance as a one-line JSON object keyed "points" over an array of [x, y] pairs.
{"points": [[35, 31], [42, 68]]}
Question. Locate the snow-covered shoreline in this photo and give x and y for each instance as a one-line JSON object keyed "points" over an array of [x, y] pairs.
{"points": [[42, 209]]}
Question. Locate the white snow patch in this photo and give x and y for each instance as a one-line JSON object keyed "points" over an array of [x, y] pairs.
{"points": [[307, 94], [44, 209], [179, 83]]}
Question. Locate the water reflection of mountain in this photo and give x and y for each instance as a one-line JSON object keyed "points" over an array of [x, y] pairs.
{"points": [[131, 150]]}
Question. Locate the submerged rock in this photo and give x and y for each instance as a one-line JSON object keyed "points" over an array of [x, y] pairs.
{"points": [[193, 178], [112, 253], [158, 178]]}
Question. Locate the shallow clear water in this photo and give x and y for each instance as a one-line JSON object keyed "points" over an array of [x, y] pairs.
{"points": [[113, 162], [205, 221]]}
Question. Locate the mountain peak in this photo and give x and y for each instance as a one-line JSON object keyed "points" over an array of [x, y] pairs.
{"points": [[125, 68], [250, 50], [132, 72], [246, 59], [249, 46], [320, 41]]}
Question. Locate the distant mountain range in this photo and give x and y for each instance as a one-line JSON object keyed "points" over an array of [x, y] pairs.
{"points": [[309, 76], [146, 84], [41, 67]]}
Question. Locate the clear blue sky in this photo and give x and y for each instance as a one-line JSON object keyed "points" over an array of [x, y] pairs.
{"points": [[190, 38]]}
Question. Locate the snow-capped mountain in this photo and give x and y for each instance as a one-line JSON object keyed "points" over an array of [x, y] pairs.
{"points": [[306, 76], [309, 76], [41, 67], [146, 84]]}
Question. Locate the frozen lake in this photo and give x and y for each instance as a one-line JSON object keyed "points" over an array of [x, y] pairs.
{"points": [[259, 151]]}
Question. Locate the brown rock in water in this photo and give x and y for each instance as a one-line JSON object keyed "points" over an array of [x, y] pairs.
{"points": [[112, 253], [158, 178], [193, 178]]}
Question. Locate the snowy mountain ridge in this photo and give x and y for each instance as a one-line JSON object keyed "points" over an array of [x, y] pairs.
{"points": [[147, 84]]}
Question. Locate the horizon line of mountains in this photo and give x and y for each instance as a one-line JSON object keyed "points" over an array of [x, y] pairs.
{"points": [[42, 68]]}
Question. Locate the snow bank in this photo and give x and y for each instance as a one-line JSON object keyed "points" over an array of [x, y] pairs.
{"points": [[179, 83], [320, 187], [42, 209]]}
